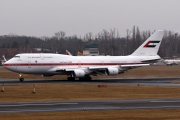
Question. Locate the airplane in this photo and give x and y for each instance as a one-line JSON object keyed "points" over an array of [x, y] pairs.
{"points": [[83, 67], [3, 60], [68, 53], [170, 62]]}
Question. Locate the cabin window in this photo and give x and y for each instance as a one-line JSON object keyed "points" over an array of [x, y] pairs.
{"points": [[16, 56]]}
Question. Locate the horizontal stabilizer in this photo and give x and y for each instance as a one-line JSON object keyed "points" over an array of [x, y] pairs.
{"points": [[135, 65], [150, 60]]}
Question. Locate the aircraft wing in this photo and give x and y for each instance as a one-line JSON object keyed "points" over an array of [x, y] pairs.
{"points": [[102, 67], [94, 70], [99, 69], [121, 66], [130, 66], [134, 65]]}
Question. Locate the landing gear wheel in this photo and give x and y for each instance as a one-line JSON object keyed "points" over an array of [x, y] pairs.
{"points": [[88, 78], [85, 79], [71, 78], [21, 79], [81, 79]]}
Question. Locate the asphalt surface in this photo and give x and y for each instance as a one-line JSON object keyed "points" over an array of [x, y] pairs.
{"points": [[117, 81], [19, 107]]}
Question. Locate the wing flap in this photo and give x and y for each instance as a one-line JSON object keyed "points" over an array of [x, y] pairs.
{"points": [[101, 67], [134, 65], [150, 60], [94, 68], [123, 66]]}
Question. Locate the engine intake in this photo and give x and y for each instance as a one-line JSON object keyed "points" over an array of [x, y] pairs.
{"points": [[79, 73], [112, 71]]}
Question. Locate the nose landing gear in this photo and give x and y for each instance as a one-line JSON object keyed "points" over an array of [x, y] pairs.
{"points": [[21, 79]]}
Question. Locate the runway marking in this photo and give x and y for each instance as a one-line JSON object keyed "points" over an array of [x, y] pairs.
{"points": [[25, 110], [84, 108], [164, 101], [38, 104]]}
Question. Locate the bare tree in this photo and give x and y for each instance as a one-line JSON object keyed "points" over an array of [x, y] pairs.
{"points": [[60, 35], [88, 36]]}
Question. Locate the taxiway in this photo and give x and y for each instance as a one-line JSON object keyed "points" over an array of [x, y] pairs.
{"points": [[49, 106], [18, 107], [116, 81]]}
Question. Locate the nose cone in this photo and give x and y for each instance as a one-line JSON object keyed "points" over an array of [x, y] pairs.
{"points": [[9, 65], [5, 64]]}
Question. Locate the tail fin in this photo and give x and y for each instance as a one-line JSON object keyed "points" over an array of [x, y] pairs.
{"points": [[68, 53], [80, 52], [151, 46], [3, 60]]}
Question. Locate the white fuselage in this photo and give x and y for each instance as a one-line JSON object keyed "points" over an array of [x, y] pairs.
{"points": [[48, 63], [172, 62]]}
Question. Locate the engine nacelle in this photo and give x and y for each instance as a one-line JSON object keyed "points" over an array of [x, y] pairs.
{"points": [[79, 73], [112, 71]]}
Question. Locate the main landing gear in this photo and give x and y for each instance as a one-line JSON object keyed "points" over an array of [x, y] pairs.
{"points": [[71, 78], [86, 78], [21, 79]]}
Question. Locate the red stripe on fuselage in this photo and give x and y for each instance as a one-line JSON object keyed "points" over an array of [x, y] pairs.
{"points": [[65, 64]]}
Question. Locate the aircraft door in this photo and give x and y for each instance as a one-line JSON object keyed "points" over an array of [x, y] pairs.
{"points": [[29, 64], [79, 63], [42, 56], [51, 64], [102, 62], [18, 61]]}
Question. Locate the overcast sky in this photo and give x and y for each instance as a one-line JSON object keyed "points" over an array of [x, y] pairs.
{"points": [[78, 17]]}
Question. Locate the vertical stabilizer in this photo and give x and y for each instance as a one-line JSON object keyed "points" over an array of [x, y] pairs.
{"points": [[3, 60], [151, 46], [68, 53]]}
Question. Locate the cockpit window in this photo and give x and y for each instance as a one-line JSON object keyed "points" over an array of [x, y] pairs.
{"points": [[16, 56]]}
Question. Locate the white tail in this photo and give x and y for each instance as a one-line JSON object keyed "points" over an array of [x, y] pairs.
{"points": [[68, 53], [151, 46], [3, 60]]}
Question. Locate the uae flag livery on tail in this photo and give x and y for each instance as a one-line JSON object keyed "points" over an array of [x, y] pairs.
{"points": [[80, 52], [151, 46], [151, 43]]}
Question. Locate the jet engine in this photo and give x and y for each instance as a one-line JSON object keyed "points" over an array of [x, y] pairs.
{"points": [[79, 73], [112, 71]]}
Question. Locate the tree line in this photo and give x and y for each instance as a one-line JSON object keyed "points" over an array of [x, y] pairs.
{"points": [[109, 42]]}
